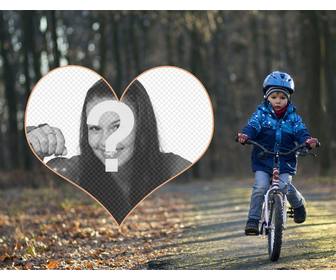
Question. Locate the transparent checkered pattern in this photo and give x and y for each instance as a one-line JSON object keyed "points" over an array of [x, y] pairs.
{"points": [[57, 100], [183, 109]]}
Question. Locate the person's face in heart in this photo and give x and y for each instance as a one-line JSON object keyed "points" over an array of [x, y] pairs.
{"points": [[109, 122]]}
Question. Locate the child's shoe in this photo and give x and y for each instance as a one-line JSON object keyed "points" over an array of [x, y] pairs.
{"points": [[252, 227], [300, 214]]}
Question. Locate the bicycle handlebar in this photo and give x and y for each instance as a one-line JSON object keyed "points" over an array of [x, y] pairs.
{"points": [[264, 150], [251, 142]]}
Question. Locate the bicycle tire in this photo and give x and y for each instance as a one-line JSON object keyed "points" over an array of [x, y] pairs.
{"points": [[276, 228]]}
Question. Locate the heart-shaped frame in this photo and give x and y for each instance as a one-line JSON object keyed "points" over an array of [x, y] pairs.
{"points": [[173, 127]]}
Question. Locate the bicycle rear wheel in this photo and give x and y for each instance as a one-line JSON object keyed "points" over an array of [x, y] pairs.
{"points": [[276, 228]]}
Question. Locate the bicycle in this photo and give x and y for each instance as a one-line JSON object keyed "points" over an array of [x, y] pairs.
{"points": [[274, 211]]}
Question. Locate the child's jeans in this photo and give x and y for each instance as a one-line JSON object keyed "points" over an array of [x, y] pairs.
{"points": [[262, 182]]}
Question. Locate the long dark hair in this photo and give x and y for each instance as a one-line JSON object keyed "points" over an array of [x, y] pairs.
{"points": [[143, 166]]}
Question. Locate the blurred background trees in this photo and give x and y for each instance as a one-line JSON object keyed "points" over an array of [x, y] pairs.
{"points": [[229, 51]]}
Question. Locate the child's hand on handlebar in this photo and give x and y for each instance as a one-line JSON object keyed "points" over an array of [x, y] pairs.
{"points": [[312, 142], [242, 138]]}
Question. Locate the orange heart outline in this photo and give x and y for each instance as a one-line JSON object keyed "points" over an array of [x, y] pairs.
{"points": [[121, 100]]}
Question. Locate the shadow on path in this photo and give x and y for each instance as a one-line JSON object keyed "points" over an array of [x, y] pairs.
{"points": [[215, 240]]}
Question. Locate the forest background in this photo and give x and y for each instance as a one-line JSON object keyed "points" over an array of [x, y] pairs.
{"points": [[230, 52]]}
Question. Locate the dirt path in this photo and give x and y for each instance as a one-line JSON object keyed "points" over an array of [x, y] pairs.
{"points": [[197, 225], [215, 239]]}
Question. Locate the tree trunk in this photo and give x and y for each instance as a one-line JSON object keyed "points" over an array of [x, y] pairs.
{"points": [[254, 27], [10, 96], [315, 50], [102, 43], [27, 47], [133, 42], [53, 30], [327, 93], [168, 38], [267, 56], [202, 168], [117, 81]]}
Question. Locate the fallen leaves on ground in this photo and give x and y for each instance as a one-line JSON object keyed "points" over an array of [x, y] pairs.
{"points": [[61, 228]]}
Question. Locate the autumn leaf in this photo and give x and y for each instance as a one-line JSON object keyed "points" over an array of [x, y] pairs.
{"points": [[89, 265], [31, 250], [18, 246], [53, 264], [28, 265], [4, 258], [87, 231]]}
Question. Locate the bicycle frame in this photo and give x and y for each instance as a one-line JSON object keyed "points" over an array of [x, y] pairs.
{"points": [[274, 188], [274, 211], [275, 185]]}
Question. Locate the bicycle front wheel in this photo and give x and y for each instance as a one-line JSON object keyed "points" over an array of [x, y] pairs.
{"points": [[275, 228]]}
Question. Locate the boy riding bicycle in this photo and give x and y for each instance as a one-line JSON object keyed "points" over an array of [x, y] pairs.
{"points": [[275, 125]]}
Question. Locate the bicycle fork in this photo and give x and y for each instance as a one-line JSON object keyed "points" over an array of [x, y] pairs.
{"points": [[275, 188]]}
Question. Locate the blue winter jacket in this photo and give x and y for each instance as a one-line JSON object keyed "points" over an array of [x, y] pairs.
{"points": [[274, 133]]}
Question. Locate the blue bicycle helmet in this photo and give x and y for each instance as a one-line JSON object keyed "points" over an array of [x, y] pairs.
{"points": [[279, 80]]}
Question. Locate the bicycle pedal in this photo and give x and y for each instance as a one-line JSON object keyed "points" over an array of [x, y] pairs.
{"points": [[290, 212], [262, 228]]}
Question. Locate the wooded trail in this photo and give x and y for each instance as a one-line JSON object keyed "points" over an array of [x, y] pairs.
{"points": [[216, 240], [198, 225]]}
